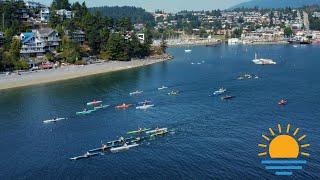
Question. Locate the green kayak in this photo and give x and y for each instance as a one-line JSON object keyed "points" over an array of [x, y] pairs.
{"points": [[101, 107], [138, 131], [84, 112]]}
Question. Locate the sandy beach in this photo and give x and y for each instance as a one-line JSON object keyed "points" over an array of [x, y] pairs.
{"points": [[73, 71]]}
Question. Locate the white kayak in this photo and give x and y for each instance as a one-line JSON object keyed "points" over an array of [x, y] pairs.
{"points": [[145, 106], [125, 147], [54, 120], [86, 155], [162, 88], [93, 103], [157, 130], [135, 93]]}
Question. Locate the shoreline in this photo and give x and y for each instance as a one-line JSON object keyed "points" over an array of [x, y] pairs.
{"points": [[75, 71]]}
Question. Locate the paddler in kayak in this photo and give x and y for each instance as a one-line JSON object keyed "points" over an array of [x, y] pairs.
{"points": [[122, 141]]}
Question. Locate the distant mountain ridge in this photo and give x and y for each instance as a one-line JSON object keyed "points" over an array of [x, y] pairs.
{"points": [[276, 3]]}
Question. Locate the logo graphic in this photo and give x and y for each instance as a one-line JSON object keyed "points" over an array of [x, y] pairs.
{"points": [[283, 151]]}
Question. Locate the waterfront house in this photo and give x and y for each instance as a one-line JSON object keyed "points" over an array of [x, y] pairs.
{"points": [[45, 15], [31, 45], [49, 36]]}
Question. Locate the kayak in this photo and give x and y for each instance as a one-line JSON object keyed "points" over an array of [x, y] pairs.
{"points": [[123, 106], [157, 130], [93, 103], [84, 112], [220, 91], [125, 147], [135, 93], [145, 106], [173, 93], [101, 107], [102, 148], [86, 155], [54, 120], [282, 102], [227, 97], [138, 131], [159, 133], [144, 102], [162, 88]]}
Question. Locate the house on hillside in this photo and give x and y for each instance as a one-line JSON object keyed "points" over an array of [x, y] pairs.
{"points": [[65, 13], [34, 5], [49, 36], [77, 36], [31, 45], [1, 39], [45, 15]]}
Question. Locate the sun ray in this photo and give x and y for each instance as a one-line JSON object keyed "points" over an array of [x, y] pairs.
{"points": [[288, 128], [305, 145], [279, 128], [262, 145], [296, 131], [271, 131], [302, 137], [262, 154], [265, 137], [305, 154]]}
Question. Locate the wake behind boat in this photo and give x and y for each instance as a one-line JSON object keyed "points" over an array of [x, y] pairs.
{"points": [[54, 120]]}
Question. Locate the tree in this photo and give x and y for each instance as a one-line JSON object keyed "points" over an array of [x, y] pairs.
{"points": [[163, 45], [288, 32], [70, 51], [117, 48], [60, 4]]}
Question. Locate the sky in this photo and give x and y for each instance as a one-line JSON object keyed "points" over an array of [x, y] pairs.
{"points": [[167, 5]]}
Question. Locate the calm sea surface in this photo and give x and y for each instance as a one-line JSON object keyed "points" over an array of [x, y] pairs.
{"points": [[213, 139]]}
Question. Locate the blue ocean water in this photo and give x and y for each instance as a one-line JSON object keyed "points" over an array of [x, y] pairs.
{"points": [[213, 139]]}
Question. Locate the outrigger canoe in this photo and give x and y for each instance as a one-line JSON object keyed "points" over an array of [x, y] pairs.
{"points": [[54, 120], [139, 131]]}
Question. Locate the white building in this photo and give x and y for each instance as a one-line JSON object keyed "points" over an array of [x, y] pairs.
{"points": [[45, 15]]}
